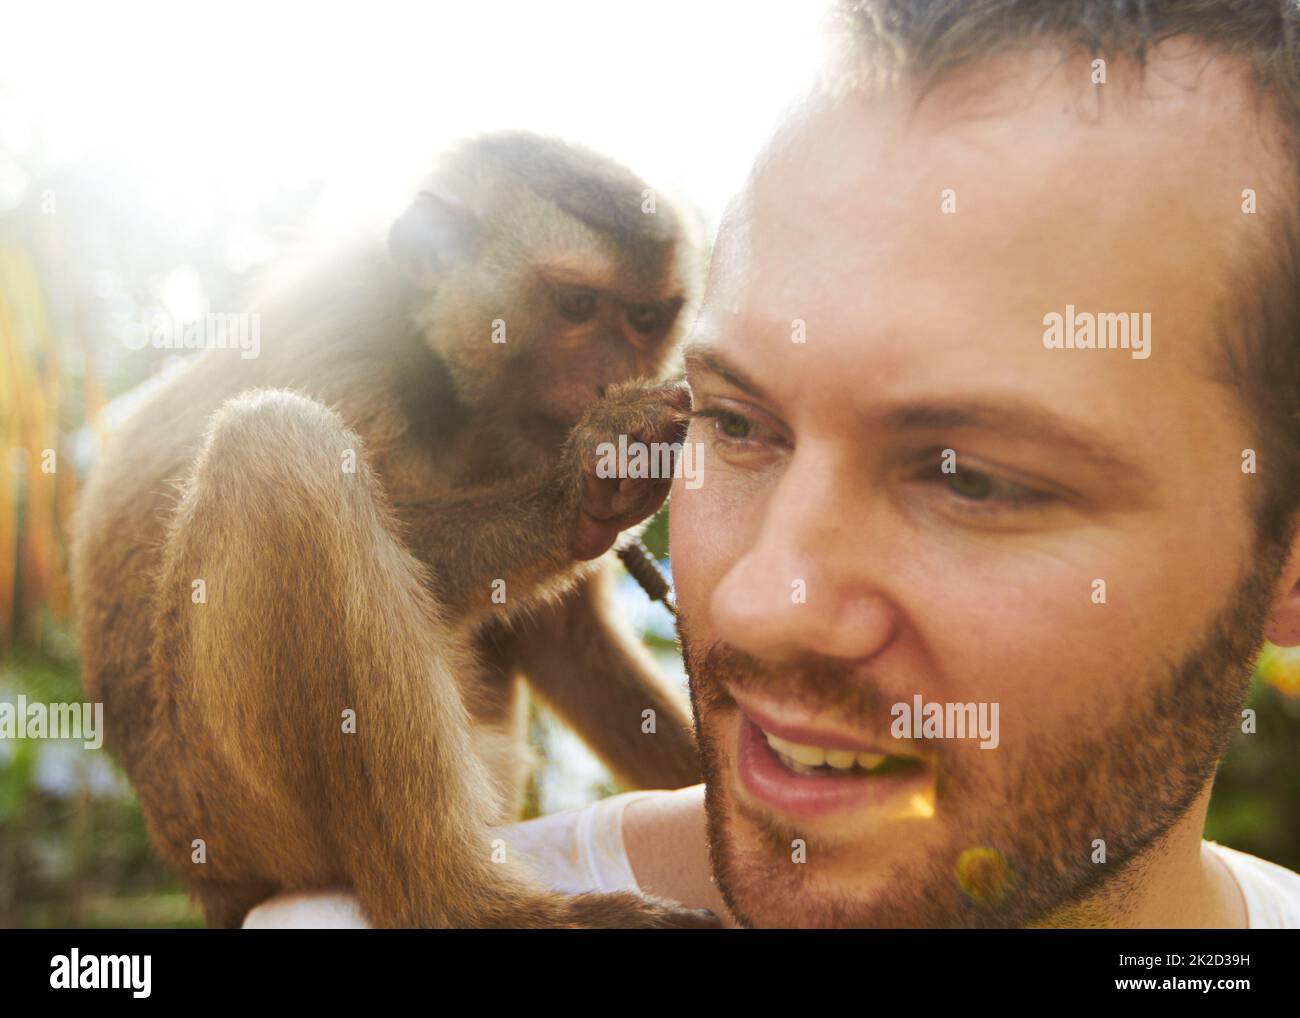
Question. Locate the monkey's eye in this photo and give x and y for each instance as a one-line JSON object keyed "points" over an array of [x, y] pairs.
{"points": [[645, 317], [575, 305]]}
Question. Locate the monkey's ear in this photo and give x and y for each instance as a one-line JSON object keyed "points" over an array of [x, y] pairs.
{"points": [[430, 235]]}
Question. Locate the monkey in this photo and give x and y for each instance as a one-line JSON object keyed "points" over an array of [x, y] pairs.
{"points": [[308, 583]]}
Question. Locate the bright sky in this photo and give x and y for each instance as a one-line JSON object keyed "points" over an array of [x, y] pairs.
{"points": [[231, 95]]}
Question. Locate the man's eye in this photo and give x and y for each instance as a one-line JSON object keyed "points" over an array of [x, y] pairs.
{"points": [[990, 493], [575, 305], [970, 484], [645, 318], [730, 425]]}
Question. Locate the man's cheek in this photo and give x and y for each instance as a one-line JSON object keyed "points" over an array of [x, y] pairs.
{"points": [[702, 534]]}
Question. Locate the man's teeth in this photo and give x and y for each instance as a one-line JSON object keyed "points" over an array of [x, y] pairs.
{"points": [[804, 759]]}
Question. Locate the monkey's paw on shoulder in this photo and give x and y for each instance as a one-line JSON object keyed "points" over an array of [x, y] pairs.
{"points": [[624, 451]]}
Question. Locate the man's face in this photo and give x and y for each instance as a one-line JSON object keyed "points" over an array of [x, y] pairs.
{"points": [[906, 493]]}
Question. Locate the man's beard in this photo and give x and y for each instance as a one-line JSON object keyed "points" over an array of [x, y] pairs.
{"points": [[1021, 845]]}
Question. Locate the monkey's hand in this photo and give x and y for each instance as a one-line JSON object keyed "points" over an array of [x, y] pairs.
{"points": [[620, 458]]}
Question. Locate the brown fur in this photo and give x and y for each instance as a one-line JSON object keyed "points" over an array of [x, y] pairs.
{"points": [[370, 591]]}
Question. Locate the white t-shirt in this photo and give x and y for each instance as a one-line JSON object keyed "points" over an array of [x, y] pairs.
{"points": [[1272, 892], [582, 850]]}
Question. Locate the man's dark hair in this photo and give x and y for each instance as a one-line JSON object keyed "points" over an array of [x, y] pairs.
{"points": [[925, 41]]}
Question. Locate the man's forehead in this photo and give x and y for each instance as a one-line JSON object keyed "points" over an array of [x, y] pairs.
{"points": [[1010, 190], [1197, 107]]}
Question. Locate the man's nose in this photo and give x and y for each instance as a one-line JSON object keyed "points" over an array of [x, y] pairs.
{"points": [[807, 584]]}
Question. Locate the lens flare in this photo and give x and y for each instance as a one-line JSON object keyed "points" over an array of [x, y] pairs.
{"points": [[984, 875]]}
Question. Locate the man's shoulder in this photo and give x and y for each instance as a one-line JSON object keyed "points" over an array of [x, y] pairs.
{"points": [[1272, 892]]}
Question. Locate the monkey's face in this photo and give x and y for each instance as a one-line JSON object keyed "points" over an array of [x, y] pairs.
{"points": [[545, 276], [541, 347], [585, 338]]}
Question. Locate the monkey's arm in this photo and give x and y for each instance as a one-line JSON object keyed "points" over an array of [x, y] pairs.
{"points": [[519, 532], [600, 679]]}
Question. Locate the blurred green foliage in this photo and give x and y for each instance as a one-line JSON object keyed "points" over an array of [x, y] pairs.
{"points": [[74, 852], [1256, 801]]}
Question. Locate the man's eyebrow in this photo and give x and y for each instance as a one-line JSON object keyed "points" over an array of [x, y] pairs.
{"points": [[703, 355], [1012, 418], [1017, 420]]}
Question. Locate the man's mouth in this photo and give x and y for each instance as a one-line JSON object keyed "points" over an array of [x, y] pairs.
{"points": [[802, 773], [827, 762]]}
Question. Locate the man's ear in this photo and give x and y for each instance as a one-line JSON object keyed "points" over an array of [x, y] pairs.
{"points": [[1284, 627], [429, 236]]}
